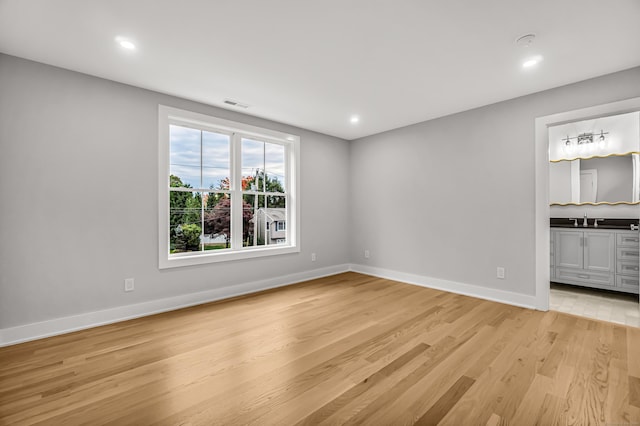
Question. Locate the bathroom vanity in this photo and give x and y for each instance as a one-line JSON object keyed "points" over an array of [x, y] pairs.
{"points": [[605, 256]]}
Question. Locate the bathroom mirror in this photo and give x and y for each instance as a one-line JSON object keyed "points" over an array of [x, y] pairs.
{"points": [[612, 179]]}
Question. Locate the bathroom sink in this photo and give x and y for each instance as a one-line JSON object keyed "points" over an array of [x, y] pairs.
{"points": [[563, 222]]}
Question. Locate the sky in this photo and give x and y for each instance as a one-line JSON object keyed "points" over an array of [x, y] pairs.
{"points": [[184, 160]]}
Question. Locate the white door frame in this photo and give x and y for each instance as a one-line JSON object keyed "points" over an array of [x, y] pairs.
{"points": [[541, 226]]}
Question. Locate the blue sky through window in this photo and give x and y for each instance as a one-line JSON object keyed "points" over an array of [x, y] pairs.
{"points": [[191, 149]]}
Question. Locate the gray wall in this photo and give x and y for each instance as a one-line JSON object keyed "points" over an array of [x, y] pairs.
{"points": [[453, 198], [78, 184], [450, 198]]}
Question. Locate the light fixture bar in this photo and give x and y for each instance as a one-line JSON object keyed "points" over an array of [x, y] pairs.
{"points": [[584, 138]]}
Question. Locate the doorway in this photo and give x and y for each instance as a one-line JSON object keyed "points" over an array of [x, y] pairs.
{"points": [[542, 210]]}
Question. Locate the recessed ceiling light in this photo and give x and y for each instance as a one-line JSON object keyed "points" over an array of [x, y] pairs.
{"points": [[125, 44], [354, 119], [526, 40], [534, 60]]}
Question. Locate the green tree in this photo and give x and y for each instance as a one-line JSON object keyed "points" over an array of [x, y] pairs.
{"points": [[177, 201], [184, 208], [271, 184], [193, 209], [187, 237]]}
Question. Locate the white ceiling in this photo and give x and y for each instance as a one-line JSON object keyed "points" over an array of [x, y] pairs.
{"points": [[314, 64]]}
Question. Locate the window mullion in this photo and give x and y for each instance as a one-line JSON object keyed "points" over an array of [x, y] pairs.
{"points": [[201, 196], [236, 192], [287, 192]]}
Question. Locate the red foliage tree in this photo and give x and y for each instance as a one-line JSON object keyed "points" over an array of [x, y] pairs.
{"points": [[217, 221]]}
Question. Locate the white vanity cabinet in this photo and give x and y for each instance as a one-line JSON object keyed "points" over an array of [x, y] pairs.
{"points": [[627, 261], [585, 257], [600, 258]]}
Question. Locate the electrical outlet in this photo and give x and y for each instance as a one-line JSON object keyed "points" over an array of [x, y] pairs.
{"points": [[367, 254], [500, 272], [129, 284], [313, 257]]}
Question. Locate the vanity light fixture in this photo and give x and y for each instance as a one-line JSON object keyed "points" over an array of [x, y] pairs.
{"points": [[585, 138]]}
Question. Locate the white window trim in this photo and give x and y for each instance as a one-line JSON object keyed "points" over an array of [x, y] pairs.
{"points": [[168, 115]]}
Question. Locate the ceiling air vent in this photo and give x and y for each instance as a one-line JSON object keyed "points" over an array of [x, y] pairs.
{"points": [[235, 103]]}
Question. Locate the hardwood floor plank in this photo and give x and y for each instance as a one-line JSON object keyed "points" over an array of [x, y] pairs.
{"points": [[533, 400], [446, 402], [436, 354], [357, 390], [346, 349], [494, 420], [634, 391], [551, 412], [505, 380], [633, 349], [407, 400]]}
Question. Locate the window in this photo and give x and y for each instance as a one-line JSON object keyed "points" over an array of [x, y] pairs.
{"points": [[221, 184]]}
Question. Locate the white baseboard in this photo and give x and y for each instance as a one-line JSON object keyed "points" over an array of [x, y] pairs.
{"points": [[39, 330], [494, 295]]}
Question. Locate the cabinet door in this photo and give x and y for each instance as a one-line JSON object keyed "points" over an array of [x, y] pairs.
{"points": [[599, 251], [569, 252], [552, 255]]}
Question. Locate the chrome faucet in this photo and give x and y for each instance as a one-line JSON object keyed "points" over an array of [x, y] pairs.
{"points": [[584, 222]]}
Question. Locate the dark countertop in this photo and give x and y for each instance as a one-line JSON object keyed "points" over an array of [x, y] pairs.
{"points": [[563, 222]]}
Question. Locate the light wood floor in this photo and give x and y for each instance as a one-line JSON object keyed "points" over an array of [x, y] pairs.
{"points": [[348, 349]]}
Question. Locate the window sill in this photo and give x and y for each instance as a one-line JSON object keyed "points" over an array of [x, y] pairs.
{"points": [[201, 258]]}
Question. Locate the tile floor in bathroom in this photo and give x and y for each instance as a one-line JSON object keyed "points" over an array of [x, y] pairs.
{"points": [[621, 308]]}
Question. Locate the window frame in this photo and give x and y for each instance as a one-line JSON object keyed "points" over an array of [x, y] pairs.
{"points": [[168, 116]]}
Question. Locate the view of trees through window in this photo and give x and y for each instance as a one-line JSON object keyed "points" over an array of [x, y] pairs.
{"points": [[201, 191]]}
